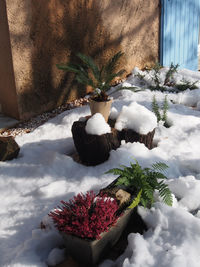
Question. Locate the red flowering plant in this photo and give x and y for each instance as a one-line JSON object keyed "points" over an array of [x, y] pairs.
{"points": [[86, 216]]}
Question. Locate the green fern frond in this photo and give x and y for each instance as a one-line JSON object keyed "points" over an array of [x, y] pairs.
{"points": [[144, 202], [159, 166], [148, 192], [165, 193], [157, 175], [136, 200], [115, 171]]}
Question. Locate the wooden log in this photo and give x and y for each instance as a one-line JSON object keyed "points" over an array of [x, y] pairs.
{"points": [[93, 149], [132, 136]]}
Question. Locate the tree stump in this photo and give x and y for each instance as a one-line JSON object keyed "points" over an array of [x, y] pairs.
{"points": [[93, 149], [131, 136]]}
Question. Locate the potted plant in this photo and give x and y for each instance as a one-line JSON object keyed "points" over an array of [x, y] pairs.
{"points": [[99, 78], [90, 225]]}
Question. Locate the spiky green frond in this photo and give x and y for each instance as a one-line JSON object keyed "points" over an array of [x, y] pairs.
{"points": [[110, 66], [89, 62], [88, 73], [68, 67]]}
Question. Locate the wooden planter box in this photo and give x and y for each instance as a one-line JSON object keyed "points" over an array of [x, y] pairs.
{"points": [[90, 252]]}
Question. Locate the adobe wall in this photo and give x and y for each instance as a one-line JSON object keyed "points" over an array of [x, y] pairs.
{"points": [[46, 32], [8, 97]]}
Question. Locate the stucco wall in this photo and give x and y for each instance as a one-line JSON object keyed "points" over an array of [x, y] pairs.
{"points": [[46, 32], [8, 97]]}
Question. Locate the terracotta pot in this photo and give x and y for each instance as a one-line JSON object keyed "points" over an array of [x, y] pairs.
{"points": [[101, 107], [90, 252]]}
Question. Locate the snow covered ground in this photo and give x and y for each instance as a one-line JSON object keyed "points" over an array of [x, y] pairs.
{"points": [[44, 173]]}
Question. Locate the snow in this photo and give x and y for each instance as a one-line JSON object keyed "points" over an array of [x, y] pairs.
{"points": [[172, 240], [45, 173], [56, 256], [137, 118], [114, 113], [97, 125]]}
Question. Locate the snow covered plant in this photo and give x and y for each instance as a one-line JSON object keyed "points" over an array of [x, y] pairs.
{"points": [[184, 85], [160, 112], [99, 78], [144, 182], [86, 216], [168, 80]]}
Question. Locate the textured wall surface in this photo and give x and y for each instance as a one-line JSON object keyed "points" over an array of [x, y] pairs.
{"points": [[46, 32], [8, 97]]}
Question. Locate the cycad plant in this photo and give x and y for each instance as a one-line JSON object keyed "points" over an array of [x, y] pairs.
{"points": [[88, 73], [143, 182]]}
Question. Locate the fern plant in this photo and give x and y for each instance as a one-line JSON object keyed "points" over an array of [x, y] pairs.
{"points": [[144, 182], [160, 112], [88, 73]]}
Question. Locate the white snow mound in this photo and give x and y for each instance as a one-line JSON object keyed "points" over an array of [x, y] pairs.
{"points": [[137, 118], [97, 125]]}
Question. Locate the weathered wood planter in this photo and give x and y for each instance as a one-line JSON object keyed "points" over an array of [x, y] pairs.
{"points": [[90, 252], [95, 149]]}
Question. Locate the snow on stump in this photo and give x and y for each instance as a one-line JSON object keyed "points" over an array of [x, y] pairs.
{"points": [[94, 138], [9, 149], [136, 124], [94, 144]]}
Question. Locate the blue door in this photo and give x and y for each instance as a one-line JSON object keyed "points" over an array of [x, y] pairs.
{"points": [[180, 33]]}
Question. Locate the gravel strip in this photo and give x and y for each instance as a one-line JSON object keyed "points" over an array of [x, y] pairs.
{"points": [[33, 123]]}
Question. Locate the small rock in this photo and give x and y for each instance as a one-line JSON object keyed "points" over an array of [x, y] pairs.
{"points": [[9, 149]]}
